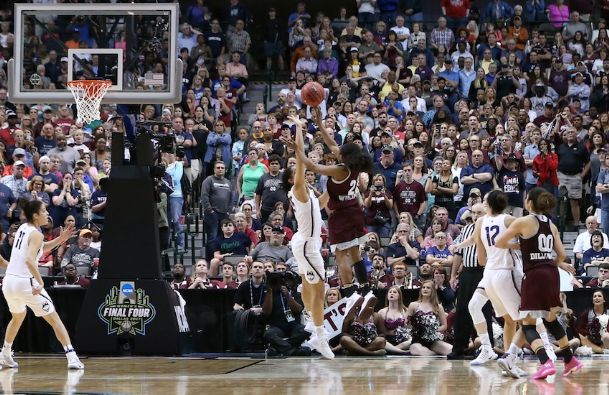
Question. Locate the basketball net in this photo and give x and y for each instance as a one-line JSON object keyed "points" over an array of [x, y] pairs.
{"points": [[88, 95]]}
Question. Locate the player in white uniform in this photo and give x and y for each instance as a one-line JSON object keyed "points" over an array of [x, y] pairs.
{"points": [[306, 243], [502, 276], [23, 285]]}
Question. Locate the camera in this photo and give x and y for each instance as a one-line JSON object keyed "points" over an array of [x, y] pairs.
{"points": [[164, 142], [276, 280]]}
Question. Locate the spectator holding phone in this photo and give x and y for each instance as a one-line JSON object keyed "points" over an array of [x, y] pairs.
{"points": [[545, 165]]}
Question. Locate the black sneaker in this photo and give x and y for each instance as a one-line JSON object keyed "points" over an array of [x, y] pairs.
{"points": [[455, 355], [363, 289], [273, 353], [301, 352], [347, 291]]}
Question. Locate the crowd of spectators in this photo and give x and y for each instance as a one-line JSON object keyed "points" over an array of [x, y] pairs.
{"points": [[503, 97]]}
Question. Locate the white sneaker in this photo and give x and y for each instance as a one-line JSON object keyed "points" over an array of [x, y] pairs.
{"points": [[486, 354], [551, 353], [73, 361], [320, 344], [508, 365], [353, 303], [6, 358], [520, 372]]}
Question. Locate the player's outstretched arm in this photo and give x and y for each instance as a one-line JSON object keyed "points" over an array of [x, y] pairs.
{"points": [[299, 189], [328, 140]]}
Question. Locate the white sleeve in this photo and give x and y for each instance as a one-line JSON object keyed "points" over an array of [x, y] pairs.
{"points": [[579, 243]]}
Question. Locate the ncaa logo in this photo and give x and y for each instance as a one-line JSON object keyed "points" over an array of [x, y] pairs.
{"points": [[127, 289], [310, 275], [46, 306]]}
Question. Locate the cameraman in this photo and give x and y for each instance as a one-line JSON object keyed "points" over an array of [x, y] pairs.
{"points": [[378, 204], [284, 333], [246, 323]]}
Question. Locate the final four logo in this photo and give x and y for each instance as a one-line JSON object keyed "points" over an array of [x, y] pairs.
{"points": [[126, 310]]}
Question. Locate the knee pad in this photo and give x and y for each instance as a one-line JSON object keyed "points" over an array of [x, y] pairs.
{"points": [[555, 329], [475, 307], [530, 333]]}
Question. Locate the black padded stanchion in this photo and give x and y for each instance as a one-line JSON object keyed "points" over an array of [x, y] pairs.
{"points": [[130, 308]]}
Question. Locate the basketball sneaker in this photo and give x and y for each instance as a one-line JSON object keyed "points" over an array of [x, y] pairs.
{"points": [[348, 290], [573, 366], [354, 302], [369, 304], [321, 345], [508, 365], [6, 358], [73, 361], [486, 354], [545, 370]]}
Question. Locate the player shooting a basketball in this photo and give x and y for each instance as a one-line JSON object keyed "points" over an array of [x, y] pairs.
{"points": [[306, 242], [346, 220]]}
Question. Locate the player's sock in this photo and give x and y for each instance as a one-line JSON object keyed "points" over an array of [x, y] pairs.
{"points": [[360, 272], [566, 353], [319, 331], [513, 349], [7, 346], [68, 348], [542, 355], [486, 340]]}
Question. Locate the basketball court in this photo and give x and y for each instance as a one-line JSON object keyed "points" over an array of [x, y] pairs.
{"points": [[399, 375]]}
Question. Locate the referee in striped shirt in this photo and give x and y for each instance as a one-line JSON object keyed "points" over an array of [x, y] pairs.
{"points": [[470, 274]]}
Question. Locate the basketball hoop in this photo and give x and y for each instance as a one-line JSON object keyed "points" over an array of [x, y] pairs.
{"points": [[88, 95]]}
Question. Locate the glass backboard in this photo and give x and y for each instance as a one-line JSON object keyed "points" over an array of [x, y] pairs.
{"points": [[133, 45]]}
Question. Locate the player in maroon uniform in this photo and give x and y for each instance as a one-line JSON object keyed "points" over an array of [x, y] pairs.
{"points": [[540, 294], [346, 219]]}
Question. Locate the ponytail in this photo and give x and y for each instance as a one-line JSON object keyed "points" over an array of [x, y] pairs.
{"points": [[543, 201]]}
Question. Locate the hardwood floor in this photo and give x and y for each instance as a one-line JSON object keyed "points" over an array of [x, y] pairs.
{"points": [[167, 376]]}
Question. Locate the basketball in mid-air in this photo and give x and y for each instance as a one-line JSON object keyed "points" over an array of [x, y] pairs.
{"points": [[312, 94]]}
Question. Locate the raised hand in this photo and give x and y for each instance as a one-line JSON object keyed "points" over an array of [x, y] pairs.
{"points": [[316, 115], [67, 232], [297, 121]]}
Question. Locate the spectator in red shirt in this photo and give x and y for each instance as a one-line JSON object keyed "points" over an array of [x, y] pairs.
{"points": [[6, 134], [545, 165], [228, 278], [180, 280], [71, 277], [456, 12], [409, 195]]}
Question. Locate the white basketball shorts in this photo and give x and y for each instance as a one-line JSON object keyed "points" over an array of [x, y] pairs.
{"points": [[18, 294], [502, 287], [307, 252]]}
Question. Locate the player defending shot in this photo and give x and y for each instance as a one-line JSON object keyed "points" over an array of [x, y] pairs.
{"points": [[501, 280], [346, 220], [539, 238], [23, 285], [306, 242]]}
